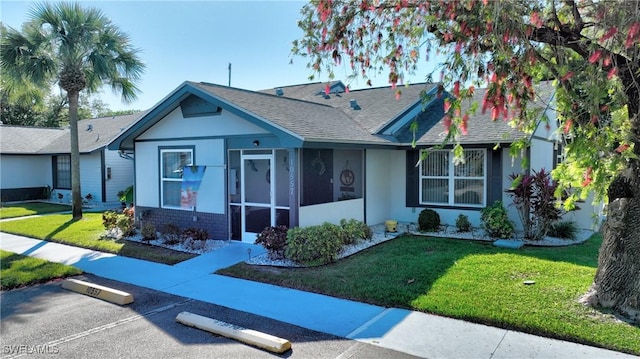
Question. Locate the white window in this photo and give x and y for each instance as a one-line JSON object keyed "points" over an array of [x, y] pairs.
{"points": [[442, 182], [172, 162]]}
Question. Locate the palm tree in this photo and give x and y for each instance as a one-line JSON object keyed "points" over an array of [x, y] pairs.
{"points": [[80, 49]]}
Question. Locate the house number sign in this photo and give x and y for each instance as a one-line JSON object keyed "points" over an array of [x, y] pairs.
{"points": [[347, 177]]}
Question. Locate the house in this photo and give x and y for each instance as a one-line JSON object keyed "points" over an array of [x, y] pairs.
{"points": [[35, 160], [302, 155]]}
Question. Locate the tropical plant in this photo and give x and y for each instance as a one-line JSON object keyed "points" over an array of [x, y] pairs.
{"points": [[81, 50], [274, 240], [462, 223], [589, 48], [533, 195]]}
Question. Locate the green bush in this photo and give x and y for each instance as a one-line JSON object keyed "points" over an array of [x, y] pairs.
{"points": [[496, 221], [171, 234], [564, 229], [274, 240], [148, 232], [429, 220], [122, 221], [462, 223], [314, 245], [354, 230]]}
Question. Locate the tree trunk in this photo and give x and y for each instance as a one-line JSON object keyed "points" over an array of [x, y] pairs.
{"points": [[617, 282], [76, 194]]}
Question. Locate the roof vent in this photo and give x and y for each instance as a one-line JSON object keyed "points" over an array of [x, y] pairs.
{"points": [[354, 104], [279, 91], [89, 127]]}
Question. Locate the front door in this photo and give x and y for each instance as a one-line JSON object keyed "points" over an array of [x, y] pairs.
{"points": [[257, 201]]}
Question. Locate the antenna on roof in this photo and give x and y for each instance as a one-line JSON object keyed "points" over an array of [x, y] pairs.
{"points": [[229, 74]]}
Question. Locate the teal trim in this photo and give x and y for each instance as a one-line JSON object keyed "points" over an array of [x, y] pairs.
{"points": [[194, 106], [173, 100], [406, 116]]}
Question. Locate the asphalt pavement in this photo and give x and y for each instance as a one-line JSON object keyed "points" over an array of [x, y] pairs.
{"points": [[399, 330]]}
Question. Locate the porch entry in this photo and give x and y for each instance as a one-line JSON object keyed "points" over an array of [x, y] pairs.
{"points": [[253, 189]]}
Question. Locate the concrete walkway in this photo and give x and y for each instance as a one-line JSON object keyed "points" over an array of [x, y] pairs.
{"points": [[415, 333]]}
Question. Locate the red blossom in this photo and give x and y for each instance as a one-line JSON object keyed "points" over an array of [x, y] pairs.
{"points": [[633, 35], [595, 56], [567, 76], [587, 177], [327, 89], [463, 125], [567, 126], [456, 89], [622, 148], [447, 123], [609, 34], [398, 94], [447, 105], [612, 72], [536, 20]]}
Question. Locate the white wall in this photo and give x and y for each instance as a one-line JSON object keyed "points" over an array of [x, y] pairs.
{"points": [[210, 153], [175, 126], [331, 212], [25, 171], [379, 184], [121, 174]]}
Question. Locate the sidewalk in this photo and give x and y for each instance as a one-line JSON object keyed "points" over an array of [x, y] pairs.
{"points": [[415, 333]]}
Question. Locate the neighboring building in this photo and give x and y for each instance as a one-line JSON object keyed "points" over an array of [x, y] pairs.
{"points": [[34, 160], [302, 155]]}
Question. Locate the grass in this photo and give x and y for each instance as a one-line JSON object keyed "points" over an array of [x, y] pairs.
{"points": [[18, 271], [87, 233], [31, 208], [472, 281]]}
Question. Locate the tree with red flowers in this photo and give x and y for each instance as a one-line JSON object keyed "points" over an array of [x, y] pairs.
{"points": [[589, 48]]}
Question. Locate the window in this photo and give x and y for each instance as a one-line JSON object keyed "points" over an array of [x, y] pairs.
{"points": [[62, 172], [171, 163], [442, 182]]}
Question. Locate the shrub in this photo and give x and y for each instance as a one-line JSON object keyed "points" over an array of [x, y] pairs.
{"points": [[123, 222], [496, 222], [533, 195], [462, 223], [353, 230], [314, 245], [429, 220], [148, 232], [171, 234], [564, 229], [198, 234], [274, 240]]}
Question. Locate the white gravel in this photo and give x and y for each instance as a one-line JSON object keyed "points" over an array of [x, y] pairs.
{"points": [[379, 236]]}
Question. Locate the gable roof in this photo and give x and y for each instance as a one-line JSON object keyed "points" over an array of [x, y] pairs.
{"points": [[93, 134], [302, 114]]}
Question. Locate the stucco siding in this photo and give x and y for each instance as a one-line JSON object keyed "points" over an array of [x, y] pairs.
{"points": [[379, 184], [331, 212], [174, 125], [209, 153]]}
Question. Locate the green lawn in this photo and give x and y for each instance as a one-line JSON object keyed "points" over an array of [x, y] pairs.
{"points": [[87, 233], [472, 281], [30, 208], [17, 270]]}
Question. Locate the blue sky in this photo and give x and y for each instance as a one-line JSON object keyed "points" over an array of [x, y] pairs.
{"points": [[196, 41]]}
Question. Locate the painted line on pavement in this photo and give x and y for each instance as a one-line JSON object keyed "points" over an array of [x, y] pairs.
{"points": [[98, 291], [248, 336], [366, 325]]}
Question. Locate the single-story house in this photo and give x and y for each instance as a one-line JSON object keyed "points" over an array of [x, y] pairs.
{"points": [[302, 155], [34, 161]]}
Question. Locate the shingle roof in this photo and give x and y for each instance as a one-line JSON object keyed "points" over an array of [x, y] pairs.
{"points": [[93, 134], [310, 120]]}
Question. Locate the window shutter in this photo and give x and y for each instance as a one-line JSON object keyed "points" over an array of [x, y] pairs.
{"points": [[412, 178]]}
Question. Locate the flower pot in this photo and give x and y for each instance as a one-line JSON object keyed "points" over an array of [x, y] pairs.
{"points": [[391, 225]]}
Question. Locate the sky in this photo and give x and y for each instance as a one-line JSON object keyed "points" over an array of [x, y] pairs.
{"points": [[197, 40]]}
